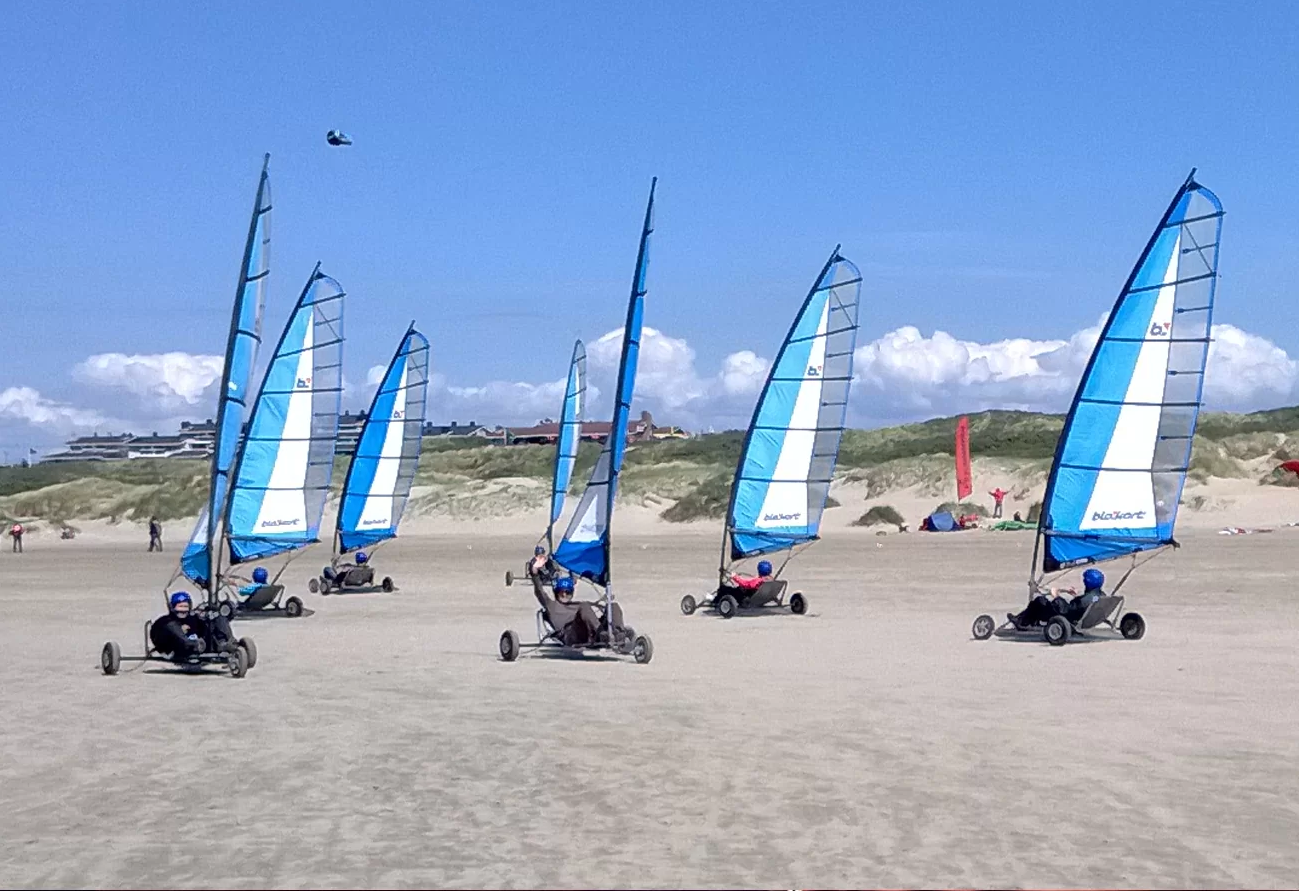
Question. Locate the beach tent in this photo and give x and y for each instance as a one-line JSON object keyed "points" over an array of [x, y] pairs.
{"points": [[941, 521]]}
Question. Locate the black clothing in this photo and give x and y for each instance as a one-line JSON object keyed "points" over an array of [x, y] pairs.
{"points": [[179, 638], [577, 622]]}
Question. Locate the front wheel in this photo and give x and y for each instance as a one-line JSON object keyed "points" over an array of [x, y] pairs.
{"points": [[509, 646], [314, 586], [726, 606], [509, 578], [1057, 631], [226, 610], [293, 607], [688, 605], [110, 658], [1132, 626], [237, 663], [387, 584], [643, 649], [798, 604], [250, 648], [983, 627]]}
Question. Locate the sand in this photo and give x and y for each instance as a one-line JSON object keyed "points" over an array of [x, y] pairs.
{"points": [[380, 742]]}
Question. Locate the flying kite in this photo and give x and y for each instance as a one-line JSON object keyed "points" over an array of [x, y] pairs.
{"points": [[337, 137]]}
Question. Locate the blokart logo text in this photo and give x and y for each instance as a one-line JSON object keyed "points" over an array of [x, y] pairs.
{"points": [[304, 383], [268, 524], [769, 518], [1108, 515], [1161, 329], [374, 522]]}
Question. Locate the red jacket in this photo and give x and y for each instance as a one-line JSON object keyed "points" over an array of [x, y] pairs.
{"points": [[747, 582]]}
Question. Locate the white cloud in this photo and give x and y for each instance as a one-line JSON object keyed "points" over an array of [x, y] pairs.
{"points": [[26, 404], [162, 381]]}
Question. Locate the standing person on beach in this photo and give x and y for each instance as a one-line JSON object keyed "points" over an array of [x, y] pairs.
{"points": [[16, 533], [155, 534], [998, 495]]}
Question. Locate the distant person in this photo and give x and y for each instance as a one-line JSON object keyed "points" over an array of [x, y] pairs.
{"points": [[155, 534], [1018, 518], [182, 634], [1052, 602], [16, 533], [998, 495], [542, 565]]}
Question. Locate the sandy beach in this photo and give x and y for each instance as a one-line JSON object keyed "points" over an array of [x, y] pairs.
{"points": [[380, 742]]}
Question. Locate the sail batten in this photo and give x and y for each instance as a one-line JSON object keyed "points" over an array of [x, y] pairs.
{"points": [[383, 466], [569, 438], [584, 549], [1122, 458], [787, 462], [282, 475], [242, 344]]}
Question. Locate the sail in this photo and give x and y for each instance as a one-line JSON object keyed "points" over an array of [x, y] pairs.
{"points": [[570, 435], [236, 380], [387, 452], [785, 468], [964, 476], [1122, 458], [282, 476], [584, 549]]}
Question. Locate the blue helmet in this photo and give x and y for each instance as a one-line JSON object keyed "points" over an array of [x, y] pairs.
{"points": [[1093, 579], [259, 575], [764, 567], [361, 557], [563, 583], [179, 597], [538, 550]]}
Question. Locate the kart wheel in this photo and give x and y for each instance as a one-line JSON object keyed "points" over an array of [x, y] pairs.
{"points": [[726, 606], [509, 578], [251, 648], [643, 650], [110, 658], [387, 584], [226, 610], [983, 627], [509, 646], [627, 644], [293, 607], [325, 587], [1132, 626], [148, 639], [314, 586], [798, 604], [1057, 631], [237, 662], [688, 606]]}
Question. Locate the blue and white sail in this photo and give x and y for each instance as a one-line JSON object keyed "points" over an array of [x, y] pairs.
{"points": [[790, 450], [383, 466], [584, 550], [196, 560], [1122, 458], [570, 437], [282, 476]]}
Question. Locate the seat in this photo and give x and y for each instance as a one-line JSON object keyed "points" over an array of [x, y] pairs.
{"points": [[1100, 612], [262, 597]]}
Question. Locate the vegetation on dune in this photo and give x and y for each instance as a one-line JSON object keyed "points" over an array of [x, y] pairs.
{"points": [[960, 509], [881, 515], [707, 501], [1034, 512]]}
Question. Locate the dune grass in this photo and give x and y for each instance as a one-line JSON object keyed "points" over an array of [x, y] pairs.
{"points": [[881, 515]]}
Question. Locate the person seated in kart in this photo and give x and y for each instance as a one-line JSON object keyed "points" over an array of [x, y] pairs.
{"points": [[541, 564], [1052, 602], [183, 634], [577, 622], [338, 574], [259, 578], [743, 587]]}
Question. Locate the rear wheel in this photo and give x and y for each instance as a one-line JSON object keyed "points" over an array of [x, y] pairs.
{"points": [[1132, 626], [293, 607], [509, 578], [643, 650], [226, 610], [726, 606], [110, 658], [688, 605], [314, 586], [387, 584], [1057, 631], [983, 627], [251, 648], [509, 646], [798, 604], [237, 663]]}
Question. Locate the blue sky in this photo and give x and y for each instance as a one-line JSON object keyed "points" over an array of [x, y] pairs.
{"points": [[994, 170]]}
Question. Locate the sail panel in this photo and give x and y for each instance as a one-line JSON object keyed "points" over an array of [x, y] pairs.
{"points": [[570, 432], [387, 452], [236, 382], [785, 469], [1123, 456], [284, 469], [584, 549]]}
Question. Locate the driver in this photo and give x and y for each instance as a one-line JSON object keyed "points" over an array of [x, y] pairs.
{"points": [[578, 622], [1053, 603], [259, 579], [183, 635], [542, 565], [750, 583]]}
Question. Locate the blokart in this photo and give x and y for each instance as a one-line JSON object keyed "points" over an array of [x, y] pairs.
{"points": [[728, 601], [339, 577], [264, 601], [1105, 612], [622, 641], [547, 574], [238, 659]]}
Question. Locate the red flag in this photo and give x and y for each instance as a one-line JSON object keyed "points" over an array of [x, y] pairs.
{"points": [[964, 476]]}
